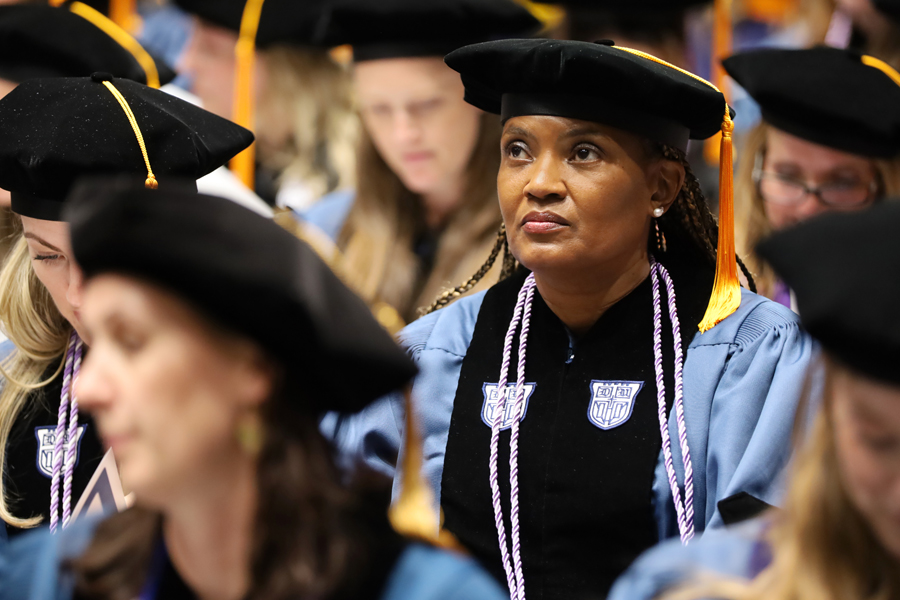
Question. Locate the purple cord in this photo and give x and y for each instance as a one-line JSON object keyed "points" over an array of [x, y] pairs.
{"points": [[515, 577], [495, 434], [62, 417], [72, 438], [685, 515], [514, 446]]}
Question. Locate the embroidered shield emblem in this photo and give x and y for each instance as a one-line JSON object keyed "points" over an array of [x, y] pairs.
{"points": [[612, 402], [46, 439], [490, 403]]}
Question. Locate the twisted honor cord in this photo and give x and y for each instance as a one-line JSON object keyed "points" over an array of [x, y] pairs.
{"points": [[64, 456], [515, 577]]}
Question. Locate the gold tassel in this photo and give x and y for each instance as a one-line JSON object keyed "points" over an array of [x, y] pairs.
{"points": [[726, 294], [244, 164], [413, 513], [124, 14]]}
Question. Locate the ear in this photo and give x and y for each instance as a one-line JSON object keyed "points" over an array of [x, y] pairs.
{"points": [[670, 180], [255, 377]]}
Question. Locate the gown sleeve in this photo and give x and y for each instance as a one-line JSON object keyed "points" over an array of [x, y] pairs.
{"points": [[425, 573], [32, 566], [743, 383], [735, 553]]}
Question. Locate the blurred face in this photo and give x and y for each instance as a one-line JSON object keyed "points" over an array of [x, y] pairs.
{"points": [[50, 248], [578, 195], [846, 182], [866, 417], [210, 62], [167, 390], [6, 87], [414, 111]]}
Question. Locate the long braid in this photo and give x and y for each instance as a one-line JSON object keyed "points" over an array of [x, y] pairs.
{"points": [[750, 282], [450, 295]]}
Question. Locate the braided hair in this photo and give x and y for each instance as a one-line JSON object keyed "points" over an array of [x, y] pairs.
{"points": [[689, 214]]}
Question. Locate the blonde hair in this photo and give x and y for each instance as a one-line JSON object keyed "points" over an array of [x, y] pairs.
{"points": [[378, 237], [40, 333], [306, 124], [822, 547], [751, 224]]}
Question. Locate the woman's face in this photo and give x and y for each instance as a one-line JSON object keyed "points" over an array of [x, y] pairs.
{"points": [[866, 417], [414, 111], [50, 248], [166, 389], [790, 159], [210, 62], [578, 196]]}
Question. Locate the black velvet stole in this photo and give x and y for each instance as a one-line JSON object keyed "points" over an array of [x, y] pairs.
{"points": [[585, 493], [27, 482]]}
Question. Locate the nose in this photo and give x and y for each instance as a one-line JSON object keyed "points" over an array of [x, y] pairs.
{"points": [[406, 127], [76, 286], [546, 182], [810, 207], [92, 386]]}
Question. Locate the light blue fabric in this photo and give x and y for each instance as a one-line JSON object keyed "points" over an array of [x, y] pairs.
{"points": [[31, 568], [743, 380], [6, 349], [330, 212], [426, 573], [733, 552]]}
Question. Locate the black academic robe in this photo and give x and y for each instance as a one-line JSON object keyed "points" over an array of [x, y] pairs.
{"points": [[585, 493], [29, 454]]}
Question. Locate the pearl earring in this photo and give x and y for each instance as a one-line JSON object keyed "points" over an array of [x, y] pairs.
{"points": [[658, 212]]}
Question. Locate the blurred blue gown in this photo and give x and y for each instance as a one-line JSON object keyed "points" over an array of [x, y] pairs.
{"points": [[33, 568]]}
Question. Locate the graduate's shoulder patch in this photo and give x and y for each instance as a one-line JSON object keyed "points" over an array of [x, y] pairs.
{"points": [[46, 444], [612, 402], [491, 397]]}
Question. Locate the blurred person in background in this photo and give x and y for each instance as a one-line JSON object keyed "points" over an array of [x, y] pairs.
{"points": [[828, 141], [55, 131], [424, 214], [213, 412], [838, 535], [304, 119]]}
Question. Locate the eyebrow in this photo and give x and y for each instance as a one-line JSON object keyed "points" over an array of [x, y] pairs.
{"points": [[516, 130], [582, 130], [38, 238]]}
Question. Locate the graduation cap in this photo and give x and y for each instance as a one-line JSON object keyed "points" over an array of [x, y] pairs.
{"points": [[407, 28], [842, 268], [249, 275], [58, 130], [829, 96], [627, 7], [616, 86], [42, 41]]}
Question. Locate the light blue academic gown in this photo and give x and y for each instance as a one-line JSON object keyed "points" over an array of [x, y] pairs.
{"points": [[737, 552], [330, 212], [743, 381], [31, 568]]}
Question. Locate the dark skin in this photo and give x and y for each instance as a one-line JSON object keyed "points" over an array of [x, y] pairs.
{"points": [[577, 199]]}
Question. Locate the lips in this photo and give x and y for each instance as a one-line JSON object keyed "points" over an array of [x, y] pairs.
{"points": [[543, 222]]}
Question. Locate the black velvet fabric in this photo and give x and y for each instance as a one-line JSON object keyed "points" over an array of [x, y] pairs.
{"points": [[842, 268], [824, 95], [252, 277], [591, 73], [293, 22], [41, 41], [585, 493], [56, 131], [398, 28], [27, 485]]}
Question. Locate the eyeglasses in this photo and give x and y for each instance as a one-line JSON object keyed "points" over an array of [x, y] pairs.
{"points": [[779, 189]]}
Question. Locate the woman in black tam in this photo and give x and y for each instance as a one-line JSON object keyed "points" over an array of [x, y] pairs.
{"points": [[619, 388], [212, 412]]}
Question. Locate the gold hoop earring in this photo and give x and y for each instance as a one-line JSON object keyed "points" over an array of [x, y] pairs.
{"points": [[250, 434]]}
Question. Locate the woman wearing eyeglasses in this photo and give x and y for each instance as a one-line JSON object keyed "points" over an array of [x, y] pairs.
{"points": [[829, 141]]}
